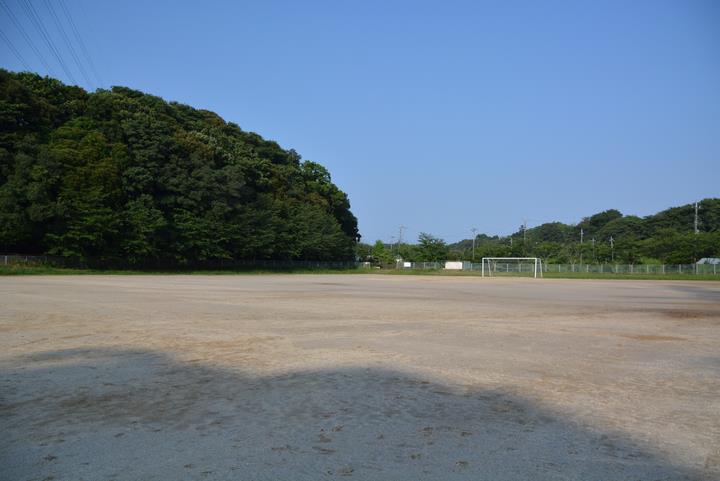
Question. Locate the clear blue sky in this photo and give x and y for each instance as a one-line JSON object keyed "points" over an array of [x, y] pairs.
{"points": [[440, 116]]}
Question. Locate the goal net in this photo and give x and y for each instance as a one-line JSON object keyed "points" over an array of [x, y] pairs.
{"points": [[511, 266]]}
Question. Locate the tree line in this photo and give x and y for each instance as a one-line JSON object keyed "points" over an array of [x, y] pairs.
{"points": [[125, 177], [668, 237]]}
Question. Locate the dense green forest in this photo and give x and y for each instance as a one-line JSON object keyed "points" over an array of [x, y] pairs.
{"points": [[667, 237], [122, 176], [128, 178]]}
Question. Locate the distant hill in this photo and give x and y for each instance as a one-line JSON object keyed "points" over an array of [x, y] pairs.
{"points": [[121, 175], [667, 236]]}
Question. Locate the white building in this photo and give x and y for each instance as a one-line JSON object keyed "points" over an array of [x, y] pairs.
{"points": [[710, 260]]}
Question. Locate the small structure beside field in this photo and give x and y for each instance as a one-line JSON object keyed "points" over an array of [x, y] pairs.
{"points": [[713, 261]]}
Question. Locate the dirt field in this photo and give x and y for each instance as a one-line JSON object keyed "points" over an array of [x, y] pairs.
{"points": [[358, 376]]}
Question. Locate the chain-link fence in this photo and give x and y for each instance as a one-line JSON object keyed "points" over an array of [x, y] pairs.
{"points": [[634, 268], [529, 267], [160, 264], [517, 268], [16, 259]]}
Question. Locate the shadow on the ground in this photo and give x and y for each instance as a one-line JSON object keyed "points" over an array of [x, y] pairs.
{"points": [[128, 415], [707, 291]]}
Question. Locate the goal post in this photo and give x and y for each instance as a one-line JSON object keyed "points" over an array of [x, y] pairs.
{"points": [[511, 266]]}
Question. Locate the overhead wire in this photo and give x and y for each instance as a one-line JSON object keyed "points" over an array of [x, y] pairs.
{"points": [[37, 21], [68, 43], [14, 50], [25, 35], [83, 48]]}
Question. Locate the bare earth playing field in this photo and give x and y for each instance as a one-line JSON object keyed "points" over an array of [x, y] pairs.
{"points": [[291, 377]]}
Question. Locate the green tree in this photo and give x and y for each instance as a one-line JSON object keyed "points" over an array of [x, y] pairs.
{"points": [[124, 177], [381, 254], [431, 248]]}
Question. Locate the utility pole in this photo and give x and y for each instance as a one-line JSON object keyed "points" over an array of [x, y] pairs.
{"points": [[612, 248], [474, 230], [697, 231], [524, 248], [582, 234], [400, 237]]}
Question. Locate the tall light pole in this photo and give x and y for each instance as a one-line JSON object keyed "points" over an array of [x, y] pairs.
{"points": [[474, 230]]}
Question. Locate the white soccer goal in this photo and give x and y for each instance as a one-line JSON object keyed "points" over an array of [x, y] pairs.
{"points": [[511, 266]]}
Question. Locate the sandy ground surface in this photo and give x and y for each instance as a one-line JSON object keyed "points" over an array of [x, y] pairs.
{"points": [[371, 377]]}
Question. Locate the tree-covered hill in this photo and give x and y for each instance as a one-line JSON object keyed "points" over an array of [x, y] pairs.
{"points": [[120, 175], [668, 236]]}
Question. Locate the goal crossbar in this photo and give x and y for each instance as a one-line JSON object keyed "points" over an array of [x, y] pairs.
{"points": [[537, 264]]}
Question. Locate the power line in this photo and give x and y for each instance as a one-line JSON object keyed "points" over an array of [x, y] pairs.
{"points": [[14, 50], [78, 38], [68, 43], [37, 21], [27, 37]]}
